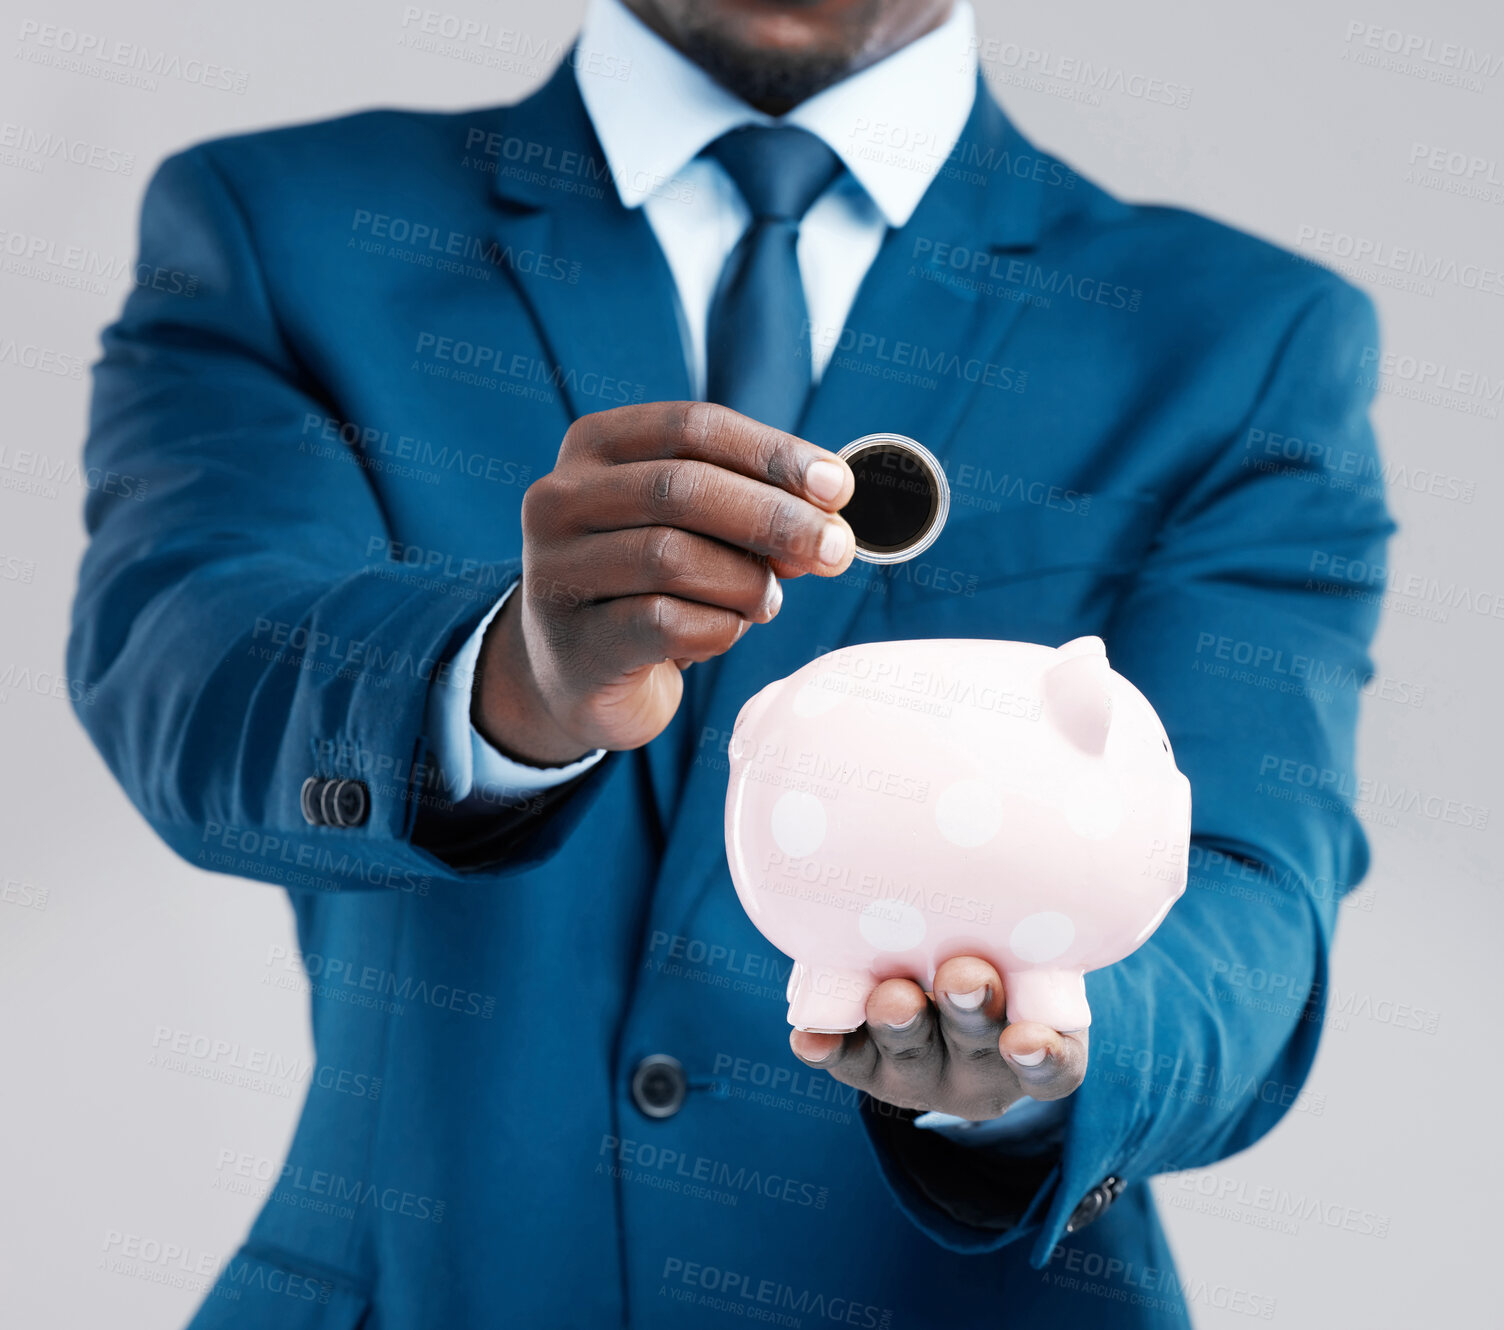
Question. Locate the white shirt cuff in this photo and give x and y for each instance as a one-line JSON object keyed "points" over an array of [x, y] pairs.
{"points": [[1026, 1120], [471, 767]]}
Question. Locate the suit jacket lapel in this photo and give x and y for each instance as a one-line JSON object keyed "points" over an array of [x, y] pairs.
{"points": [[904, 328], [614, 316]]}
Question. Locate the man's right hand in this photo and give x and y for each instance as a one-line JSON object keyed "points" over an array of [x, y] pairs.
{"points": [[658, 537]]}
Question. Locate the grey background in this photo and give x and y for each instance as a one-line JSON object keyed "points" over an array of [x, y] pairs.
{"points": [[1391, 1165]]}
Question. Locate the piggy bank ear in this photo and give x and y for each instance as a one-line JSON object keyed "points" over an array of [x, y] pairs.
{"points": [[1078, 693]]}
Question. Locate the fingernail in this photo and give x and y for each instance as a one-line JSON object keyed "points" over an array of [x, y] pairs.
{"points": [[775, 597], [817, 1057], [833, 544], [746, 624], [1029, 1059], [906, 1025], [969, 1001], [825, 479]]}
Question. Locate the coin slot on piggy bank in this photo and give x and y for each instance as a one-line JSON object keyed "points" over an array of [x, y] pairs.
{"points": [[901, 498]]}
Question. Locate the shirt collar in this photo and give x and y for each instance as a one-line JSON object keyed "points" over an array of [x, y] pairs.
{"points": [[893, 124]]}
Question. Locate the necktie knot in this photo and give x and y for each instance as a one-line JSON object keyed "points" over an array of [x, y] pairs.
{"points": [[780, 169]]}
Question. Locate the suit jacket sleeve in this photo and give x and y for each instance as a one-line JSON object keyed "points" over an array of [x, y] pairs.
{"points": [[1202, 1039], [236, 628]]}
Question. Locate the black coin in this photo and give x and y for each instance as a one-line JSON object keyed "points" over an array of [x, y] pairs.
{"points": [[896, 499]]}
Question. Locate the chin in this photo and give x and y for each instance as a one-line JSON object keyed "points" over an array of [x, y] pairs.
{"points": [[780, 50]]}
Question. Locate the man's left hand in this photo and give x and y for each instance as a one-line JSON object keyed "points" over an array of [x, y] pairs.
{"points": [[954, 1053]]}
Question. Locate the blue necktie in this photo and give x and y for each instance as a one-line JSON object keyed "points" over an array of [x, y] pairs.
{"points": [[757, 340]]}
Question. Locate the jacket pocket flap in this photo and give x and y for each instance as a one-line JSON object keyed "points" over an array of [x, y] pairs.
{"points": [[262, 1288]]}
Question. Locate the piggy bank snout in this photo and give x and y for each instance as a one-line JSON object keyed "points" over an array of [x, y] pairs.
{"points": [[748, 720]]}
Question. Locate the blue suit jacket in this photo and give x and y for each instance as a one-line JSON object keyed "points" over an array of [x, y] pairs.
{"points": [[355, 344]]}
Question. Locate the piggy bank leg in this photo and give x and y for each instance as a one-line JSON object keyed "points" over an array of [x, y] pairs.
{"points": [[1056, 998], [824, 1000]]}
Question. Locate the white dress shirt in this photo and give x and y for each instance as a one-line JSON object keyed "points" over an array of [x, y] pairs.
{"points": [[893, 125]]}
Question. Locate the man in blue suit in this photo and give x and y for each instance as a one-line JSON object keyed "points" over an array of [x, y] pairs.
{"points": [[477, 460]]}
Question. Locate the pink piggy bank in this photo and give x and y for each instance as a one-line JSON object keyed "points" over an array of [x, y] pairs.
{"points": [[896, 804]]}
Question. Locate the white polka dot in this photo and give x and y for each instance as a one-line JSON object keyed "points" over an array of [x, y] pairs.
{"points": [[798, 824], [1041, 937], [892, 925], [969, 813], [1094, 807], [815, 699]]}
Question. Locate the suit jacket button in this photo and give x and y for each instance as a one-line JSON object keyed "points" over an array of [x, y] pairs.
{"points": [[309, 798], [1094, 1204], [659, 1086], [345, 803]]}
